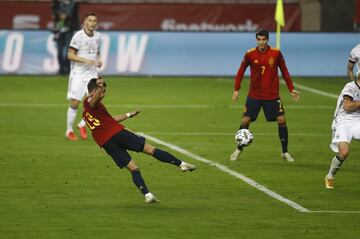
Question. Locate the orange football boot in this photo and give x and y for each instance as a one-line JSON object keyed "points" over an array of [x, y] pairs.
{"points": [[83, 133], [71, 136]]}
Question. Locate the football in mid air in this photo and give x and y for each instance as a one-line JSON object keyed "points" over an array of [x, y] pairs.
{"points": [[243, 137]]}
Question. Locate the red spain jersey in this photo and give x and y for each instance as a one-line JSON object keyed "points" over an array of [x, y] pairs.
{"points": [[264, 83], [103, 126]]}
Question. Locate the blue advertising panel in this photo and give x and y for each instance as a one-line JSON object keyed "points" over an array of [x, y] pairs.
{"points": [[179, 54]]}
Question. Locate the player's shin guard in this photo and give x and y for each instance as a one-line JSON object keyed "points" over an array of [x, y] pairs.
{"points": [[283, 135], [166, 157], [336, 163], [139, 181]]}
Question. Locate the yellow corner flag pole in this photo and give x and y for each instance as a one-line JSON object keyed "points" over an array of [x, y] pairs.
{"points": [[280, 20]]}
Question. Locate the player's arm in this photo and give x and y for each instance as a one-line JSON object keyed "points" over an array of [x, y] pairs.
{"points": [[285, 73], [350, 70], [96, 94], [125, 116], [239, 76], [98, 58], [72, 56], [350, 105]]}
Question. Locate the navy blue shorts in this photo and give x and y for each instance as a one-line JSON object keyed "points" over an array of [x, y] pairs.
{"points": [[118, 145], [272, 108]]}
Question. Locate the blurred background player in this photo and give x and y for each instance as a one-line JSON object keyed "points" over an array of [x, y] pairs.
{"points": [[116, 140], [84, 54], [264, 89], [353, 59], [345, 127], [65, 17]]}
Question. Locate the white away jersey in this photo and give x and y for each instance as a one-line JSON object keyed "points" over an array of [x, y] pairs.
{"points": [[355, 55], [87, 47], [352, 90]]}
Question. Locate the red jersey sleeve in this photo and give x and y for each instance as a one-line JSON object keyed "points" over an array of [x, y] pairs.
{"points": [[285, 72], [240, 74]]}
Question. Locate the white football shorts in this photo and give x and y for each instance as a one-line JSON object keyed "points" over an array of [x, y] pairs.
{"points": [[77, 86], [344, 132]]}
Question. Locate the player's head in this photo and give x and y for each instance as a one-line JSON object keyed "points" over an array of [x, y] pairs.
{"points": [[95, 83], [90, 22], [262, 33], [262, 38]]}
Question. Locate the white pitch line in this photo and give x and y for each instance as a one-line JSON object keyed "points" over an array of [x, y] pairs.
{"points": [[315, 91], [228, 134], [350, 212], [231, 172]]}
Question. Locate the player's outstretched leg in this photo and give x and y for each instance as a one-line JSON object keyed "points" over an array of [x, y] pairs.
{"points": [[166, 157], [140, 183]]}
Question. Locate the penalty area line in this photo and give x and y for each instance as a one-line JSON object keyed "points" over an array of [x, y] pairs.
{"points": [[225, 169]]}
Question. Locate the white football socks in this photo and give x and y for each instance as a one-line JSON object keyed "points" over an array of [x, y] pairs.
{"points": [[334, 167], [81, 123], [71, 115]]}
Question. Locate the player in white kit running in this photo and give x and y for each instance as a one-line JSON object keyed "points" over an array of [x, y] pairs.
{"points": [[354, 58], [345, 127], [84, 54]]}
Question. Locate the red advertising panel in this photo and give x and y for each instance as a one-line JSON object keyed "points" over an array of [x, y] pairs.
{"points": [[192, 17], [357, 12], [25, 15], [157, 17]]}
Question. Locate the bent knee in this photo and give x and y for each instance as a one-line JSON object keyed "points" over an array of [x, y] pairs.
{"points": [[149, 149], [343, 153], [281, 120]]}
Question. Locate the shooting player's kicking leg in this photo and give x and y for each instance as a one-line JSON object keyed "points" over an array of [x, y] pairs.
{"points": [[166, 157]]}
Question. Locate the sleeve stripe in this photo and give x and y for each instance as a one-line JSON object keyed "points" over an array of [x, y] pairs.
{"points": [[347, 97]]}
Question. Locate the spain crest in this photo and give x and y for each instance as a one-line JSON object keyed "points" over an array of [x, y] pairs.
{"points": [[271, 61]]}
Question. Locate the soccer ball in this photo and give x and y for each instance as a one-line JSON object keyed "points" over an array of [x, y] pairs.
{"points": [[243, 137]]}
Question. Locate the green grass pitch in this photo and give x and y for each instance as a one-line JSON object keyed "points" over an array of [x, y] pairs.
{"points": [[52, 188]]}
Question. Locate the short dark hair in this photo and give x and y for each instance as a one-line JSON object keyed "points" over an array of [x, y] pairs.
{"points": [[93, 85], [262, 32], [90, 14]]}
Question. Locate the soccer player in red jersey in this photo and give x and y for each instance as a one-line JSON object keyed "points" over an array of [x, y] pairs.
{"points": [[263, 92], [116, 140]]}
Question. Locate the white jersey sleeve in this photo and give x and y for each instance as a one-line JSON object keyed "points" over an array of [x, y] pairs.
{"points": [[352, 91], [355, 54], [75, 41]]}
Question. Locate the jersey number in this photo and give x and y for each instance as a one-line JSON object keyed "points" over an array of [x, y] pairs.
{"points": [[262, 70], [91, 121], [281, 109]]}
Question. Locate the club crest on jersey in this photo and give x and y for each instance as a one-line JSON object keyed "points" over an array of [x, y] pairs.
{"points": [[271, 61], [256, 61]]}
